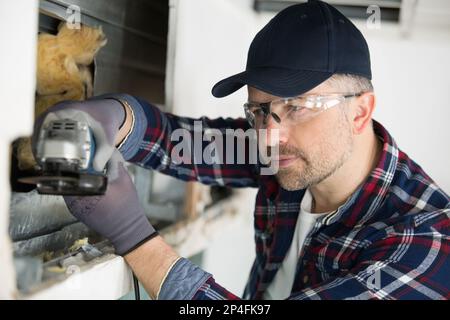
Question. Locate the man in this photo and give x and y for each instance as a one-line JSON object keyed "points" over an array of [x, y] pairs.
{"points": [[346, 216]]}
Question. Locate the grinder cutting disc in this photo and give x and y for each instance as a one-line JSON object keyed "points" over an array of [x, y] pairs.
{"points": [[70, 185]]}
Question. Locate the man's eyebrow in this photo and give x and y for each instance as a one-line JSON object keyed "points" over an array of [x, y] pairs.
{"points": [[309, 93], [258, 102], [265, 101]]}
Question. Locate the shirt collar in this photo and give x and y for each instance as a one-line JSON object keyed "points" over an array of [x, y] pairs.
{"points": [[365, 201]]}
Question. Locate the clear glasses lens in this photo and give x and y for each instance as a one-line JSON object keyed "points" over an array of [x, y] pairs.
{"points": [[291, 110], [255, 114]]}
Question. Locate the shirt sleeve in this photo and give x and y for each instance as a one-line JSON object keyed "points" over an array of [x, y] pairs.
{"points": [[175, 146], [408, 263]]}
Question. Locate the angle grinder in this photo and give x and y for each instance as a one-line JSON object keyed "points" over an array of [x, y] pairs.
{"points": [[64, 153]]}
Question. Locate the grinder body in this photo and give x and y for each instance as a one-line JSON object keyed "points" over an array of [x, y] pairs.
{"points": [[64, 151]]}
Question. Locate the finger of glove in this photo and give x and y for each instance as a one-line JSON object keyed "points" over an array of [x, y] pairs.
{"points": [[82, 206], [116, 161]]}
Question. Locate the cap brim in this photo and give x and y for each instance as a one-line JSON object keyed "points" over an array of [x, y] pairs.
{"points": [[276, 81]]}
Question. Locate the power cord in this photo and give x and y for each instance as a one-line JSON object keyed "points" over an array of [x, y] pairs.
{"points": [[137, 294]]}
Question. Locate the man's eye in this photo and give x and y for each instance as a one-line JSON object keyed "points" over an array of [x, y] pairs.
{"points": [[258, 112], [300, 112], [296, 108]]}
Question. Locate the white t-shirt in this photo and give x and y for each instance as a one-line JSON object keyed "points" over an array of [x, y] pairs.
{"points": [[281, 285]]}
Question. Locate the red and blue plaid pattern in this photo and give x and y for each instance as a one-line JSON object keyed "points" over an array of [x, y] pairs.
{"points": [[390, 240]]}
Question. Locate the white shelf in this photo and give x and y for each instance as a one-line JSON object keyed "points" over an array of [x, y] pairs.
{"points": [[109, 277]]}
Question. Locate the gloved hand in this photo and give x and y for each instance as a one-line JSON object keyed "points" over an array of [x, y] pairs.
{"points": [[104, 116], [117, 215]]}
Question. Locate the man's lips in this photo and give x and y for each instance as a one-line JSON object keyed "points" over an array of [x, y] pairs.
{"points": [[285, 161]]}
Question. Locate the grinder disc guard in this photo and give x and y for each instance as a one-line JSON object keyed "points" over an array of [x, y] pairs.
{"points": [[59, 178]]}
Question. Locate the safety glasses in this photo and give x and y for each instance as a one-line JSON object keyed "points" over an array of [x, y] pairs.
{"points": [[293, 110]]}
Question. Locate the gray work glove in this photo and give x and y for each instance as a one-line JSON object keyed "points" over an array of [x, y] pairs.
{"points": [[104, 117], [117, 215]]}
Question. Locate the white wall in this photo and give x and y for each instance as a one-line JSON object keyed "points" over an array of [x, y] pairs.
{"points": [[410, 78], [212, 39], [17, 96]]}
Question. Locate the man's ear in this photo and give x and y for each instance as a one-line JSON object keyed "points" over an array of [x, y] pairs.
{"points": [[364, 107]]}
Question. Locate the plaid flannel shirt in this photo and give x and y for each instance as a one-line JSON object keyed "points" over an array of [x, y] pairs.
{"points": [[390, 240]]}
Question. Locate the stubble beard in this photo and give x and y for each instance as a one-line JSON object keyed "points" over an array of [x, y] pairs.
{"points": [[309, 170]]}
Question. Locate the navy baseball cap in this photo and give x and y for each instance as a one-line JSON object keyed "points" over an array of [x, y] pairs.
{"points": [[302, 46]]}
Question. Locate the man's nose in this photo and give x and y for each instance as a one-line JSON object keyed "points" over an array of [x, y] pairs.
{"points": [[276, 132]]}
